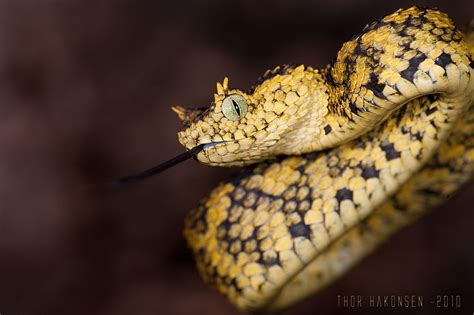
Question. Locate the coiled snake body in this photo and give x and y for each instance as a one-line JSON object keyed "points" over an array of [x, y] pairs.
{"points": [[361, 147]]}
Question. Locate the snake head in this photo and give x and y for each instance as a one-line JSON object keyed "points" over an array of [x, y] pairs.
{"points": [[224, 128], [243, 128]]}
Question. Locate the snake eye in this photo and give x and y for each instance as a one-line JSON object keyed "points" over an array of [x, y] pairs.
{"points": [[234, 107]]}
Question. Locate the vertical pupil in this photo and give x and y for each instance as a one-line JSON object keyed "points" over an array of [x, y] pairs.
{"points": [[236, 107]]}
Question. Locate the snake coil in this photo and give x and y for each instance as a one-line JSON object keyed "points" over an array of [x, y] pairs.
{"points": [[346, 156]]}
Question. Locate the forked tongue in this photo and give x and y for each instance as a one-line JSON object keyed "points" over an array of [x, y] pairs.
{"points": [[159, 168]]}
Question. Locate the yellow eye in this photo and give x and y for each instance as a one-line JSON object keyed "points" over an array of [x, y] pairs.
{"points": [[234, 107]]}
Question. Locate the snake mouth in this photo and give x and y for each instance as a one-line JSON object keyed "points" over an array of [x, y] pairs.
{"points": [[210, 145], [192, 153]]}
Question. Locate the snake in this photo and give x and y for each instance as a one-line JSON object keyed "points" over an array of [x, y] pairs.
{"points": [[336, 160]]}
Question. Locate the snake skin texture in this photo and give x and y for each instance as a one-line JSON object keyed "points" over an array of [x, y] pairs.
{"points": [[346, 156]]}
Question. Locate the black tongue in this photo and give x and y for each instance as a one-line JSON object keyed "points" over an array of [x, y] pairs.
{"points": [[159, 168]]}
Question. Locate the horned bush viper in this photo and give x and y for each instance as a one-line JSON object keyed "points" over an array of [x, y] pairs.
{"points": [[345, 156]]}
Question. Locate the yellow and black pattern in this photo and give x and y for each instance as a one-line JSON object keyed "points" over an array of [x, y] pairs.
{"points": [[282, 230]]}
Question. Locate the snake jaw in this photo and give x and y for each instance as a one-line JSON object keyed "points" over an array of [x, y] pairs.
{"points": [[216, 153]]}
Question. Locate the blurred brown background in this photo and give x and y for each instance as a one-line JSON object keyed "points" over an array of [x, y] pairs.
{"points": [[85, 91]]}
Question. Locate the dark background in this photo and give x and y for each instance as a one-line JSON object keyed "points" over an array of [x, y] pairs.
{"points": [[85, 91]]}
